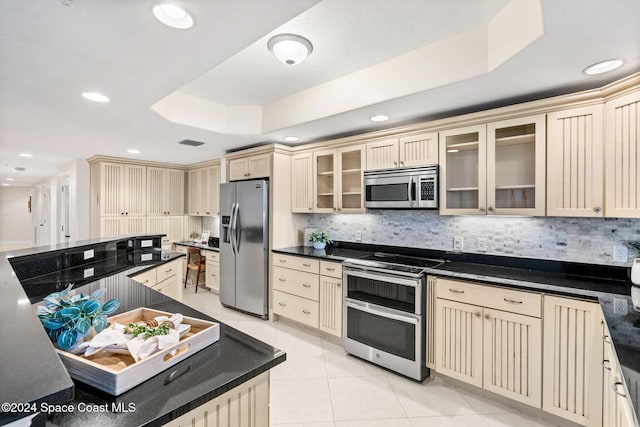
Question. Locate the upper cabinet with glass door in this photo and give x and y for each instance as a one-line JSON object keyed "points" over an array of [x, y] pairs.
{"points": [[494, 169]]}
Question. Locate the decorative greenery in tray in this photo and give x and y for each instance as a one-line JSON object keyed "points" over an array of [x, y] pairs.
{"points": [[69, 318]]}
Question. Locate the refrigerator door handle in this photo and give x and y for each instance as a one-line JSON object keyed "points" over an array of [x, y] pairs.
{"points": [[236, 233], [232, 229]]}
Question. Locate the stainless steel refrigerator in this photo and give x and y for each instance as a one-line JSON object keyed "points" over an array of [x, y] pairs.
{"points": [[244, 246]]}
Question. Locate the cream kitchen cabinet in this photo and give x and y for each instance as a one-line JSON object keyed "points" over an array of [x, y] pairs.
{"points": [[575, 162], [338, 180], [170, 225], [116, 226], [165, 191], [302, 183], [252, 167], [622, 154], [617, 410], [494, 169], [165, 279], [413, 150], [572, 375], [308, 291], [212, 272], [204, 191], [490, 337], [122, 189]]}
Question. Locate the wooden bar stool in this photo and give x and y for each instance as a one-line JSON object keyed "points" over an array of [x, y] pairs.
{"points": [[195, 262]]}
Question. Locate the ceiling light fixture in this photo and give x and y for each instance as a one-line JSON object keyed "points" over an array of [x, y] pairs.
{"points": [[173, 16], [133, 151], [25, 155], [603, 66], [453, 150], [379, 118], [5, 184], [290, 49], [19, 169], [95, 97], [10, 179], [290, 138]]}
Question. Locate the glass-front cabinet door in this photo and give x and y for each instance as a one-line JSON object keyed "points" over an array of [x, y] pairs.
{"points": [[463, 171], [351, 166], [516, 166], [325, 181]]}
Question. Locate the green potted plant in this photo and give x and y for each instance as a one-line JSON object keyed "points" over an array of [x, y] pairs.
{"points": [[195, 236], [320, 239]]}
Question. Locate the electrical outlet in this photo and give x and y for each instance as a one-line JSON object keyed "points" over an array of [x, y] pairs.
{"points": [[620, 254], [620, 306], [457, 243], [358, 236], [482, 244]]}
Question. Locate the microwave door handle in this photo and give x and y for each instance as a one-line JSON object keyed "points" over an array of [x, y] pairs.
{"points": [[379, 311], [412, 190], [397, 280]]}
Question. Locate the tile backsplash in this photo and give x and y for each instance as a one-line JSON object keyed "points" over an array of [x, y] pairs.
{"points": [[589, 240]]}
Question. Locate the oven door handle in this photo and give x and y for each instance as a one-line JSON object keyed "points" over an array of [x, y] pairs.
{"points": [[381, 277], [379, 311]]}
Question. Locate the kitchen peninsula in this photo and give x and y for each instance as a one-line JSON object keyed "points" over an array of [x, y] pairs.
{"points": [[33, 373]]}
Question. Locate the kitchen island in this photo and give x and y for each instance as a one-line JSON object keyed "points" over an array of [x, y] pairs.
{"points": [[33, 374]]}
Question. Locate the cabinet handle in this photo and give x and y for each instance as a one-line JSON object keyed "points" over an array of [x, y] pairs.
{"points": [[455, 291], [481, 209], [307, 265], [606, 339], [282, 260], [306, 312], [330, 269], [337, 285], [486, 316], [169, 270], [334, 209], [401, 163], [146, 281], [207, 213], [490, 209], [282, 304], [121, 213], [282, 280], [305, 285], [597, 209], [512, 301], [395, 163], [614, 387], [608, 367]]}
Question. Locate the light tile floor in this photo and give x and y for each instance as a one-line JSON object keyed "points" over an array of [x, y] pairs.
{"points": [[321, 386]]}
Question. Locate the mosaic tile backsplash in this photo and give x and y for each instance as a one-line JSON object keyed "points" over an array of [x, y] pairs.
{"points": [[589, 240]]}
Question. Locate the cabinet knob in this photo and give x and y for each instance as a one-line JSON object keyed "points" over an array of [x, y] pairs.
{"points": [[614, 387], [310, 209], [395, 163], [121, 213], [486, 316], [207, 213], [490, 209], [597, 209], [606, 364], [335, 209], [478, 314], [481, 209], [401, 163]]}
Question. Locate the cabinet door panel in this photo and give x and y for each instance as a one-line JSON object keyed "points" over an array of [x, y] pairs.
{"points": [[572, 376], [111, 189], [419, 150], [194, 185], [259, 166], [459, 341], [204, 195], [331, 305], [135, 185], [302, 183], [238, 169], [214, 190], [156, 191], [325, 183], [622, 148], [135, 225], [111, 226], [351, 164], [382, 154], [513, 356], [577, 180], [174, 192]]}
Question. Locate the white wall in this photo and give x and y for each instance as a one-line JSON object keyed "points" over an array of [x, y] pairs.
{"points": [[15, 218]]}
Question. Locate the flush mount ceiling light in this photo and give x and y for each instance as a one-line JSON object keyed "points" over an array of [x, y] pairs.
{"points": [[379, 118], [290, 49], [133, 151], [25, 155], [290, 138], [95, 97], [603, 67], [10, 179], [173, 16]]}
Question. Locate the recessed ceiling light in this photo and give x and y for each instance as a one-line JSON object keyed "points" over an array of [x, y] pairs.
{"points": [[133, 151], [4, 184], [95, 96], [25, 155], [173, 16], [453, 150], [290, 138], [603, 67], [10, 179], [379, 118]]}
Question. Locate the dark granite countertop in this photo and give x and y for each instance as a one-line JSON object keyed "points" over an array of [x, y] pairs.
{"points": [[197, 245], [38, 376], [597, 283]]}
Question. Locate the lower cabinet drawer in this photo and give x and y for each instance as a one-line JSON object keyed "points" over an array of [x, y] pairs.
{"points": [[296, 282], [148, 278], [296, 308], [167, 270], [521, 302]]}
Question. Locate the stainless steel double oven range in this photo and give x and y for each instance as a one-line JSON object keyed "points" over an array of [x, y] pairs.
{"points": [[384, 311]]}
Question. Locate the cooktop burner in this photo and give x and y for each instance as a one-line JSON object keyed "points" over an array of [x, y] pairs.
{"points": [[392, 262]]}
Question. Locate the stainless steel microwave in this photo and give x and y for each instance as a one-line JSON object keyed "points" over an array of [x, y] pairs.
{"points": [[404, 188]]}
